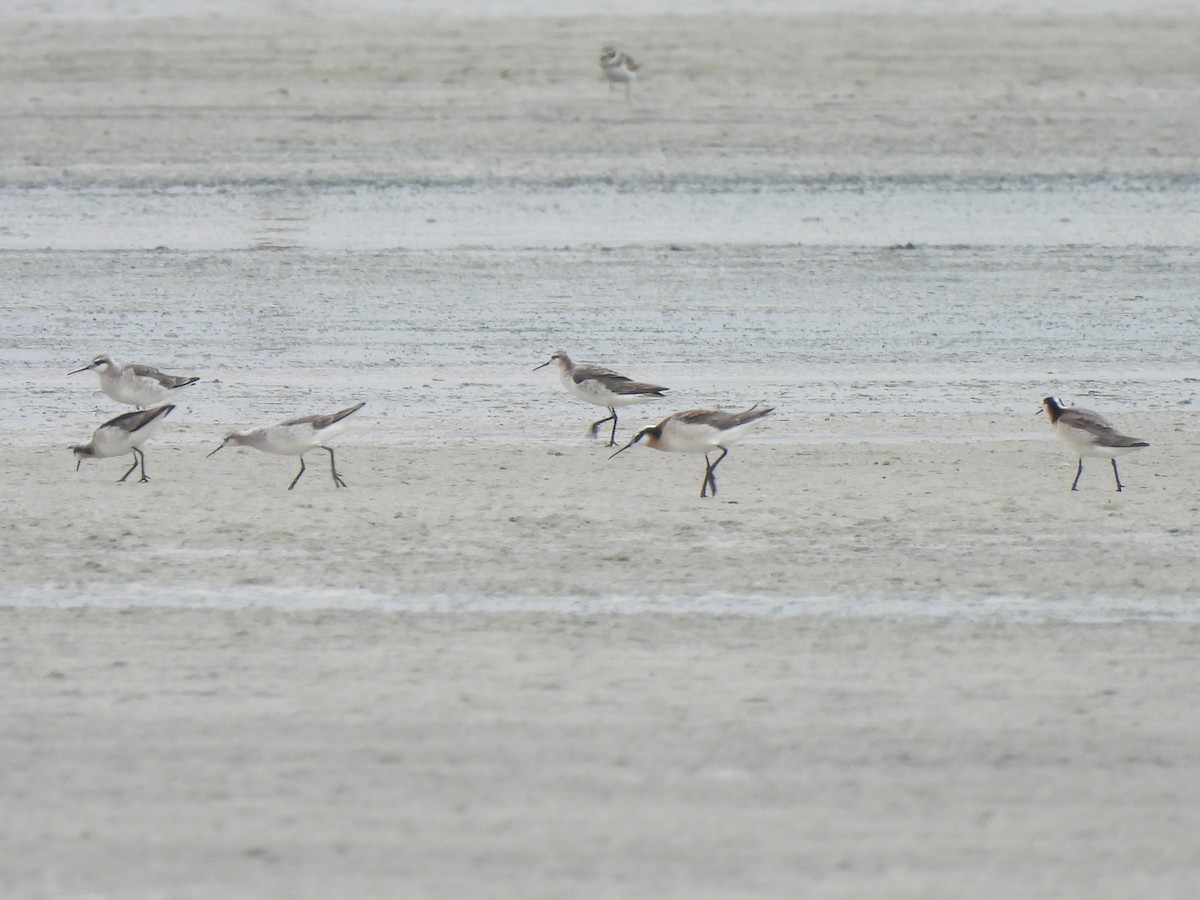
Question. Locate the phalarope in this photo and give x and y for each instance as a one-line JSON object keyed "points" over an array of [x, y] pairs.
{"points": [[604, 387], [618, 68], [121, 435], [295, 437], [134, 383], [701, 431], [1088, 433]]}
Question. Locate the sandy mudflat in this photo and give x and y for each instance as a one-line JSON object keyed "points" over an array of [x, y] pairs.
{"points": [[218, 100], [201, 753], [895, 657], [483, 524], [946, 676]]}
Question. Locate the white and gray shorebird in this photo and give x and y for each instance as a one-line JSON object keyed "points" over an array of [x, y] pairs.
{"points": [[701, 431], [618, 68], [295, 437], [604, 387], [125, 433], [1088, 433], [134, 383]]}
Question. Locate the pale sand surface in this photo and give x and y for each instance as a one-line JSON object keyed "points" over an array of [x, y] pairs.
{"points": [[293, 99], [202, 753], [491, 523], [896, 657], [916, 669]]}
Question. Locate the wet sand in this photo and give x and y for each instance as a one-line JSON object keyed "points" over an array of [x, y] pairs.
{"points": [[488, 525], [895, 657], [189, 753], [922, 669], [345, 99]]}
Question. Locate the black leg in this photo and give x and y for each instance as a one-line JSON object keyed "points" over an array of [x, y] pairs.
{"points": [[1078, 472], [710, 476], [337, 479], [712, 469], [142, 453], [298, 474], [1117, 476], [611, 417], [131, 468]]}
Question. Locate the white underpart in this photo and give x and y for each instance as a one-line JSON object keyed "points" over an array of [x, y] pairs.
{"points": [[290, 440], [1084, 443], [110, 440], [682, 437], [616, 71], [128, 387], [593, 391]]}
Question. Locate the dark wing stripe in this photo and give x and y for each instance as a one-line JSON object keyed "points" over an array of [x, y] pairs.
{"points": [[700, 417], [719, 419], [625, 386], [138, 419], [167, 381], [618, 384], [1102, 431], [753, 414], [585, 373], [318, 422], [1086, 419]]}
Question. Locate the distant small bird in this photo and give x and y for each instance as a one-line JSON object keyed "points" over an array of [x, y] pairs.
{"points": [[1088, 433], [604, 387], [617, 67], [701, 431], [120, 435], [295, 437], [133, 383]]}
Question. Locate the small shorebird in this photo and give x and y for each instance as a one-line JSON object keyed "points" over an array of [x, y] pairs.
{"points": [[120, 435], [617, 67], [602, 386], [700, 431], [135, 384], [1088, 433], [295, 437]]}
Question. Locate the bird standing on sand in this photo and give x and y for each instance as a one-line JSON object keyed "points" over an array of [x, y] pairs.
{"points": [[295, 437], [618, 68], [121, 435], [701, 431], [133, 383], [1088, 433], [604, 387]]}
